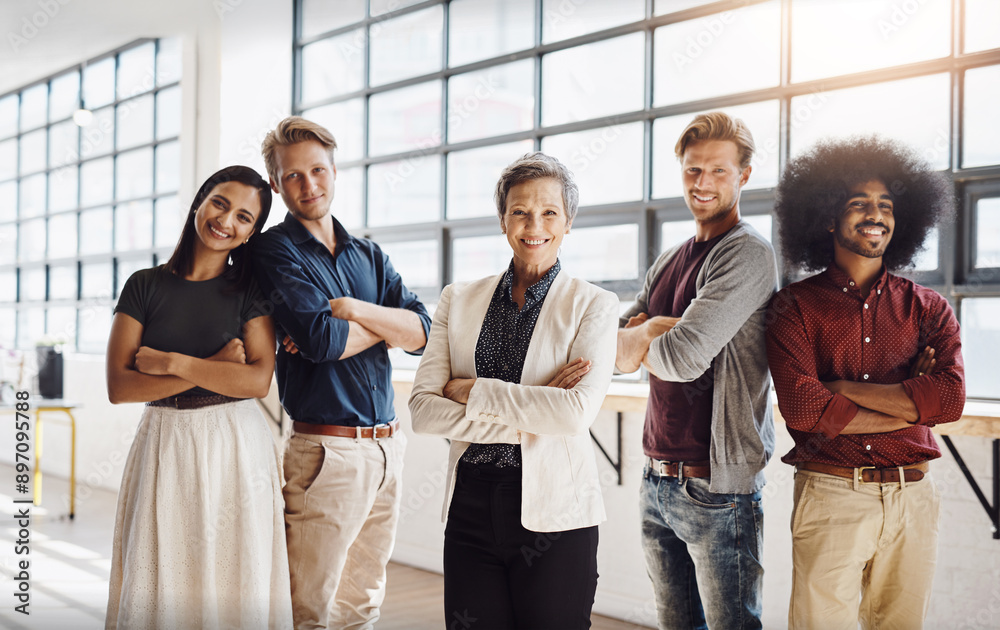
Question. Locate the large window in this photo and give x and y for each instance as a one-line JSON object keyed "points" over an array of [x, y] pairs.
{"points": [[429, 100], [89, 170]]}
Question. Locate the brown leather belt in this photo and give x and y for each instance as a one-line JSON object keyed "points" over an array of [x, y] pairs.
{"points": [[377, 432], [869, 474], [192, 402], [699, 470]]}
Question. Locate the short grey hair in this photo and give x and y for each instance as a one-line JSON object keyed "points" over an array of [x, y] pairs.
{"points": [[536, 166]]}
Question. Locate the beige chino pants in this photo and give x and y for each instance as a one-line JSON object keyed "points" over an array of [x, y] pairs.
{"points": [[341, 509], [873, 541]]}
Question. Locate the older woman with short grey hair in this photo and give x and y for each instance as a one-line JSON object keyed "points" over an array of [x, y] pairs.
{"points": [[514, 373]]}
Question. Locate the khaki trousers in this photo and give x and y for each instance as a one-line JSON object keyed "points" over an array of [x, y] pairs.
{"points": [[341, 509], [868, 540]]}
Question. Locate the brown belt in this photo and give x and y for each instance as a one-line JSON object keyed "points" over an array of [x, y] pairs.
{"points": [[377, 432], [192, 402], [869, 474], [699, 470]]}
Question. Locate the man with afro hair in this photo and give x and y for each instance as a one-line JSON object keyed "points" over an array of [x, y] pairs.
{"points": [[864, 362]]}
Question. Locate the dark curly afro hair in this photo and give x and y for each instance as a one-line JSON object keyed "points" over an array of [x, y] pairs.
{"points": [[814, 189]]}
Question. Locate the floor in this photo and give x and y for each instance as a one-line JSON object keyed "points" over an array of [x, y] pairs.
{"points": [[69, 563]]}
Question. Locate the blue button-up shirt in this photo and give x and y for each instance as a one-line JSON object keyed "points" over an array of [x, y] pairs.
{"points": [[299, 277]]}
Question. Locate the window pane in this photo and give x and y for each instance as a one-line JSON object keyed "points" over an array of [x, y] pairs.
{"points": [[606, 162], [701, 58], [134, 174], [168, 222], [99, 83], [346, 122], [96, 228], [378, 7], [761, 118], [607, 252], [927, 258], [404, 192], [64, 97], [320, 16], [982, 18], [981, 134], [95, 182], [479, 256], [94, 326], [63, 279], [8, 325], [865, 35], [562, 20], [33, 284], [30, 327], [416, 261], [168, 61], [406, 119], [62, 235], [60, 324], [988, 232], [8, 286], [348, 206], [406, 46], [136, 70], [473, 175], [491, 102], [8, 159], [333, 66], [99, 135], [33, 151], [480, 29], [135, 122], [8, 201], [168, 113], [96, 280], [31, 241], [8, 236], [8, 115], [168, 164], [64, 142], [575, 81], [34, 106], [134, 226], [32, 196], [126, 267], [62, 189], [981, 346], [664, 7], [884, 108]]}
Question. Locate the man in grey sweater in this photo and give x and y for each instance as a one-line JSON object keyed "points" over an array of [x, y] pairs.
{"points": [[698, 327]]}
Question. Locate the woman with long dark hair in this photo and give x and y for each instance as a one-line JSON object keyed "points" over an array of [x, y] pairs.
{"points": [[199, 532]]}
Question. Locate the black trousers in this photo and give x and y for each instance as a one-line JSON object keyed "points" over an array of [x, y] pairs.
{"points": [[497, 574]]}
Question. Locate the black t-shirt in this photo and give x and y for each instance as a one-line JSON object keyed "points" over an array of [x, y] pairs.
{"points": [[192, 318], [679, 415]]}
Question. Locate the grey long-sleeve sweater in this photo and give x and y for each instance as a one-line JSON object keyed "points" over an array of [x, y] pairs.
{"points": [[725, 322]]}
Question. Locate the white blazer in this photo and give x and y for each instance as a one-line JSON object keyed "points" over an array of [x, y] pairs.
{"points": [[560, 485]]}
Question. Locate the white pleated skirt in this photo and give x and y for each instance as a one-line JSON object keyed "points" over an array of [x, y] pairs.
{"points": [[199, 531]]}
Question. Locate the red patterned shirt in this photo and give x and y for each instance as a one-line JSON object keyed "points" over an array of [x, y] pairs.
{"points": [[823, 329]]}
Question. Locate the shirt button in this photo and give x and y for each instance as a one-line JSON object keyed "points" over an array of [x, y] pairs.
{"points": [[374, 388], [845, 289], [868, 447], [866, 377], [866, 306], [867, 339], [851, 283], [878, 291]]}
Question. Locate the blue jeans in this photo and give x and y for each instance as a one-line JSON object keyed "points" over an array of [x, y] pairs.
{"points": [[703, 553]]}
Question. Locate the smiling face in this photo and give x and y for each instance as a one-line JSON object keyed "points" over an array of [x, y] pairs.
{"points": [[865, 226], [712, 180], [305, 179], [535, 222], [227, 217]]}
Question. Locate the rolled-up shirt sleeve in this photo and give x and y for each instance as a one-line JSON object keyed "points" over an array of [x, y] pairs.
{"points": [[940, 395], [805, 403]]}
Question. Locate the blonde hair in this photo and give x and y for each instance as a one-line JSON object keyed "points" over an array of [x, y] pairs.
{"points": [[293, 130], [718, 126]]}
